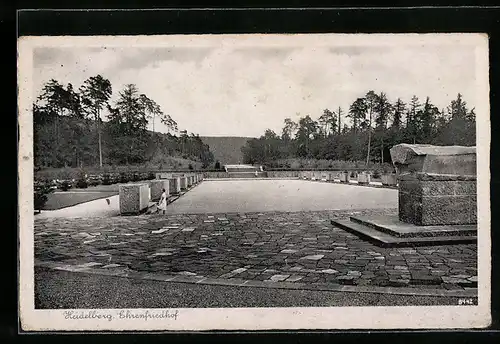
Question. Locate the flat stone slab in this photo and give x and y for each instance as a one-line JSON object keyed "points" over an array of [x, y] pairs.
{"points": [[391, 225], [313, 257], [458, 160]]}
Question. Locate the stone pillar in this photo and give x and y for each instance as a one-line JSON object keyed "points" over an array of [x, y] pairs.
{"points": [[134, 198], [163, 175], [183, 183], [363, 178], [174, 185], [344, 177], [437, 184], [389, 179], [157, 187]]}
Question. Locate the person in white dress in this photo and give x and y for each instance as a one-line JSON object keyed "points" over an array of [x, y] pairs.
{"points": [[162, 203]]}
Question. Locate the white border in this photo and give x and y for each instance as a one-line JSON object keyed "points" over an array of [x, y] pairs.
{"points": [[415, 317]]}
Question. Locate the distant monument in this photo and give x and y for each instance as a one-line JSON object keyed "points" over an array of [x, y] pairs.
{"points": [[244, 171], [437, 198]]}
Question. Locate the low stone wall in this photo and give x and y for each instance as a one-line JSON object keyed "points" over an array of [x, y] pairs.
{"points": [[283, 174], [213, 175]]}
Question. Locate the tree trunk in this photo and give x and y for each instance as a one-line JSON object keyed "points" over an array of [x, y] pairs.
{"points": [[98, 120], [382, 151], [369, 138], [100, 148], [339, 119]]}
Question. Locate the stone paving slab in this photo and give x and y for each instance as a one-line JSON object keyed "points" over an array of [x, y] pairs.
{"points": [[259, 247]]}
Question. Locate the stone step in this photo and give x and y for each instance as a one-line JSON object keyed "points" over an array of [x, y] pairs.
{"points": [[392, 226], [386, 240]]}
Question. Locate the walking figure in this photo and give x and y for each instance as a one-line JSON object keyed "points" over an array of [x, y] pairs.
{"points": [[162, 203]]}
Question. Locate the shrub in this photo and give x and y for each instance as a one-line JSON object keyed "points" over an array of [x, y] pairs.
{"points": [[124, 177], [136, 177], [41, 190], [376, 174], [190, 166], [94, 181], [106, 179], [82, 183], [65, 185], [151, 176], [217, 165]]}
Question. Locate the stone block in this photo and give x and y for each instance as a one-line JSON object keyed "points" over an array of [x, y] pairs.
{"points": [[134, 198], [389, 179], [456, 160], [175, 185], [163, 175], [363, 178], [157, 186], [189, 179], [437, 200], [183, 183], [344, 177], [447, 210]]}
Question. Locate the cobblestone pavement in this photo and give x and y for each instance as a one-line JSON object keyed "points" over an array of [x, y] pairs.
{"points": [[297, 247]]}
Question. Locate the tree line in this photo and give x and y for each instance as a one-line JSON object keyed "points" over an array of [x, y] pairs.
{"points": [[375, 125], [69, 130]]}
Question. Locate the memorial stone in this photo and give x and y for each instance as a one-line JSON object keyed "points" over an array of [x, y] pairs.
{"points": [[389, 179], [133, 198], [363, 178], [174, 185], [437, 184], [183, 183], [157, 187], [163, 175], [344, 177]]}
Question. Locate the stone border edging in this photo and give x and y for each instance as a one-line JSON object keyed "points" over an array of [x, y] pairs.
{"points": [[234, 282], [307, 180]]}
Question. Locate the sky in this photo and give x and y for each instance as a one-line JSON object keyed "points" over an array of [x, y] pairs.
{"points": [[241, 90]]}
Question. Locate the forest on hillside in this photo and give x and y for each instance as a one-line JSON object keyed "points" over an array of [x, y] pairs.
{"points": [[226, 150], [375, 125], [69, 130]]}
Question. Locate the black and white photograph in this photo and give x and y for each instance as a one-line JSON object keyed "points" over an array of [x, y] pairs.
{"points": [[252, 182]]}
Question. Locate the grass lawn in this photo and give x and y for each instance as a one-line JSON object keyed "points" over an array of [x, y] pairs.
{"points": [[72, 197]]}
